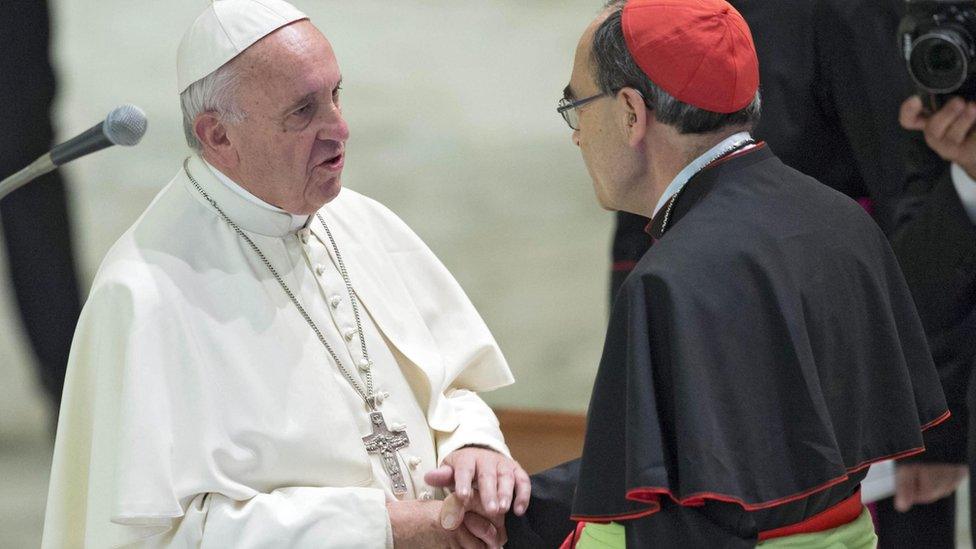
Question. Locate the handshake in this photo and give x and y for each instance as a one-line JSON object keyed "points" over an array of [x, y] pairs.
{"points": [[485, 484]]}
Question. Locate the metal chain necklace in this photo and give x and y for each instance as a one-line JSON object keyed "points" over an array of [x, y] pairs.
{"points": [[367, 394], [733, 148], [382, 441]]}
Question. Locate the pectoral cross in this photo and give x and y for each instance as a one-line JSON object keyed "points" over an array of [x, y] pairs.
{"points": [[386, 443]]}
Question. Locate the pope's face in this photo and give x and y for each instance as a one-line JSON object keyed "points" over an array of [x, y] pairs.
{"points": [[291, 144]]}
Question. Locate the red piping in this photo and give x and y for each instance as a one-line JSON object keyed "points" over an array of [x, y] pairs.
{"points": [[651, 495]]}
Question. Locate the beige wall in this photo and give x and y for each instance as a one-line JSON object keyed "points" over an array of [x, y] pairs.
{"points": [[451, 106]]}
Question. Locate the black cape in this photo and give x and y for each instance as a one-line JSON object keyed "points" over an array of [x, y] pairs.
{"points": [[759, 357]]}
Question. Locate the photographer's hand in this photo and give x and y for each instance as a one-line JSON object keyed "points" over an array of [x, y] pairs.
{"points": [[948, 132]]}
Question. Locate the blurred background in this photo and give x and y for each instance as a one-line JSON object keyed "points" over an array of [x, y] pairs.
{"points": [[452, 111]]}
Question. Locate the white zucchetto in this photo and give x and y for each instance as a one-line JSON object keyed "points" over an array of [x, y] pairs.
{"points": [[224, 30]]}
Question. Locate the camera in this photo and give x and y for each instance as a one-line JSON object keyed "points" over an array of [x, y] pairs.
{"points": [[938, 39]]}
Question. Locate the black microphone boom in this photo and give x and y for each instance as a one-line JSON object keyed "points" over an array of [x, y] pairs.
{"points": [[124, 126]]}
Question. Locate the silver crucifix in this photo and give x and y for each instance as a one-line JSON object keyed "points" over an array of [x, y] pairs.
{"points": [[386, 443]]}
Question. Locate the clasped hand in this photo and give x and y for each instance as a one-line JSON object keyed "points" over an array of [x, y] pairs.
{"points": [[486, 485]]}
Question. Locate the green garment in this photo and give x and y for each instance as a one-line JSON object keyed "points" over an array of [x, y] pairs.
{"points": [[858, 534], [602, 536]]}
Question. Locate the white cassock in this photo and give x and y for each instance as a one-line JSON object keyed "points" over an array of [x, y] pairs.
{"points": [[200, 409]]}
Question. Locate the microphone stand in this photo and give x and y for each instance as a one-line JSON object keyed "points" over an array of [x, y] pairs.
{"points": [[33, 170], [124, 125]]}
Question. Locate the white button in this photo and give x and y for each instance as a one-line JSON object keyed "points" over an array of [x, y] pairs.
{"points": [[380, 396], [319, 269], [364, 364], [303, 235], [348, 333], [425, 495], [397, 427], [335, 301], [414, 462]]}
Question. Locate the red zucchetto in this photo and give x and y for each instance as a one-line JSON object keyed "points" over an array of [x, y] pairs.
{"points": [[699, 51]]}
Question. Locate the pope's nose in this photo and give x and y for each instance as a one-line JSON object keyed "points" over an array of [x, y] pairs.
{"points": [[334, 128]]}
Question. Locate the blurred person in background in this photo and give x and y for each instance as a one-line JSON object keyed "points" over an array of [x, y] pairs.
{"points": [[36, 224], [937, 250]]}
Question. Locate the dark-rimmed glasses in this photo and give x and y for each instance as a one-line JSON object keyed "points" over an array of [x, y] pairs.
{"points": [[567, 108]]}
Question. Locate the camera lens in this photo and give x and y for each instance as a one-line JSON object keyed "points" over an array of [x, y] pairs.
{"points": [[943, 59], [938, 61]]}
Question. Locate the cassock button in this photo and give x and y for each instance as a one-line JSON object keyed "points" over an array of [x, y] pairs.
{"points": [[364, 364], [303, 235], [426, 495], [348, 333], [320, 269], [381, 396], [335, 301], [414, 462]]}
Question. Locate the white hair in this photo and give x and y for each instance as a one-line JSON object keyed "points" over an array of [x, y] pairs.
{"points": [[216, 92]]}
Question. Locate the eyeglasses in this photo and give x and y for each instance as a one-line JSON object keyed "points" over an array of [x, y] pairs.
{"points": [[567, 109]]}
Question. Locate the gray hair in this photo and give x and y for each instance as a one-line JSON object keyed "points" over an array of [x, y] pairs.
{"points": [[216, 92], [615, 68]]}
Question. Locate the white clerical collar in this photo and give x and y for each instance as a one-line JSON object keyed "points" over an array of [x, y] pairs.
{"points": [[697, 165], [297, 221]]}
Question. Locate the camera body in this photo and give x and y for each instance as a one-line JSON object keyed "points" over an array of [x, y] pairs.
{"points": [[938, 39]]}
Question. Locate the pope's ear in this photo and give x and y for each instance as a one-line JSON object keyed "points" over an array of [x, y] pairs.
{"points": [[635, 115], [212, 134]]}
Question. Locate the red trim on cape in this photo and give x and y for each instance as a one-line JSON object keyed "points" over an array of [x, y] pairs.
{"points": [[736, 154], [840, 514], [651, 495], [936, 421]]}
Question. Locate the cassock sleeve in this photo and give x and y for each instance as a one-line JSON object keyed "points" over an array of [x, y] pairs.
{"points": [[546, 521], [477, 426], [130, 464]]}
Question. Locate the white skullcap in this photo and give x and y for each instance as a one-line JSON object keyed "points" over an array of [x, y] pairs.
{"points": [[224, 30]]}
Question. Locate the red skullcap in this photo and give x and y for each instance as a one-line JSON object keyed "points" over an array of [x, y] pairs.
{"points": [[699, 51]]}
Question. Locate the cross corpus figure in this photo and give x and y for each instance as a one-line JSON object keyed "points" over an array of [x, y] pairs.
{"points": [[386, 443]]}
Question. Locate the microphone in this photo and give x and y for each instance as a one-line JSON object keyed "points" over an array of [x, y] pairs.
{"points": [[124, 126]]}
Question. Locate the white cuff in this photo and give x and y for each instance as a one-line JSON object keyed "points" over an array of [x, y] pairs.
{"points": [[966, 189], [477, 425]]}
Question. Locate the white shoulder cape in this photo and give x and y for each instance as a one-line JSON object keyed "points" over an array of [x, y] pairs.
{"points": [[173, 350]]}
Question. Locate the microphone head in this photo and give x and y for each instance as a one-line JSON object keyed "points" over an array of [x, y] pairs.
{"points": [[125, 125]]}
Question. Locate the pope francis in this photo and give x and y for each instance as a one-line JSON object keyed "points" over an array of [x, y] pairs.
{"points": [[266, 360]]}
